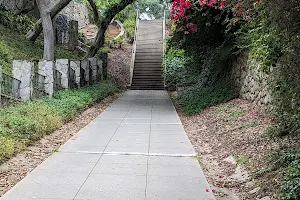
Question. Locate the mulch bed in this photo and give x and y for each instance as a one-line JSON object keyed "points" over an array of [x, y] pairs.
{"points": [[231, 149]]}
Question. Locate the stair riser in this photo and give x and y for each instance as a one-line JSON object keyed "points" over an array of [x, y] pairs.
{"points": [[151, 58], [153, 73], [150, 42], [148, 77], [159, 54], [149, 67], [149, 50]]}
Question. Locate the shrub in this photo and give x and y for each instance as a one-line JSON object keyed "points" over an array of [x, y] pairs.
{"points": [[175, 67], [289, 160], [196, 99], [129, 25], [20, 23]]}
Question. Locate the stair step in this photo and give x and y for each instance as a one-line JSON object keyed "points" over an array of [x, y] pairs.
{"points": [[150, 88], [148, 54], [146, 72], [150, 58], [149, 37], [144, 69], [145, 51], [137, 66], [148, 85], [147, 63], [156, 43], [149, 34], [153, 71], [147, 81], [148, 76]]}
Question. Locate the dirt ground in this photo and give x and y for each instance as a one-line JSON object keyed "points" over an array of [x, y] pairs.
{"points": [[119, 61], [23, 163], [231, 148]]}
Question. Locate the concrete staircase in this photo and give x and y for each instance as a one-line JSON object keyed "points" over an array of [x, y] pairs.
{"points": [[148, 72]]}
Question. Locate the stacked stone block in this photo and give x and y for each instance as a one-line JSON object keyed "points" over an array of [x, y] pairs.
{"points": [[23, 71], [252, 84], [62, 65], [75, 65], [45, 68]]}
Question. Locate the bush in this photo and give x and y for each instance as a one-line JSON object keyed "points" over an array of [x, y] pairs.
{"points": [[196, 99], [289, 160], [20, 23], [129, 25], [175, 67], [290, 188], [23, 123]]}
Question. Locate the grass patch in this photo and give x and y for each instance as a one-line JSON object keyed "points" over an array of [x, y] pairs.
{"points": [[242, 160], [23, 123], [224, 109], [235, 114], [14, 46]]}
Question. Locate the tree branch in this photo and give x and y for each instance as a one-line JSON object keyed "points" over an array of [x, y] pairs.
{"points": [[95, 10], [109, 15], [38, 28]]}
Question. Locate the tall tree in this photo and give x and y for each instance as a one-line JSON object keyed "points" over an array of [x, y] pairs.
{"points": [[48, 29], [109, 14]]}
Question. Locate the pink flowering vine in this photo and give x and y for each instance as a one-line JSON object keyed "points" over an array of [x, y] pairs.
{"points": [[240, 8]]}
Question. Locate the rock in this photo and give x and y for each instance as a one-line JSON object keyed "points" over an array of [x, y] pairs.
{"points": [[265, 198], [62, 65], [255, 190], [250, 184], [240, 174], [75, 65], [45, 68], [22, 71], [231, 160]]}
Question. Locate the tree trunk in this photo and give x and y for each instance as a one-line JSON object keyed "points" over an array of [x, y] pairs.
{"points": [[95, 10], [48, 30], [110, 14], [38, 27]]}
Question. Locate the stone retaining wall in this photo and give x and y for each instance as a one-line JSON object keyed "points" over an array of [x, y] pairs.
{"points": [[76, 11], [251, 84], [85, 72]]}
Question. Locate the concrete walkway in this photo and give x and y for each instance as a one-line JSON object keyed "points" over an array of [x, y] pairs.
{"points": [[135, 150]]}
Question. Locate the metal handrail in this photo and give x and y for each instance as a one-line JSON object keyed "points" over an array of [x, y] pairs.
{"points": [[134, 46], [164, 47]]}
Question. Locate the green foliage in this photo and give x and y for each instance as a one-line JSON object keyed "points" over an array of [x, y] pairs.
{"points": [[196, 99], [129, 25], [263, 41], [204, 62], [23, 123], [14, 46], [118, 41], [20, 23], [289, 160], [175, 66], [104, 50]]}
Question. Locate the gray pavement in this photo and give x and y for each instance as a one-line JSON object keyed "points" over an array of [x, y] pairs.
{"points": [[136, 149]]}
